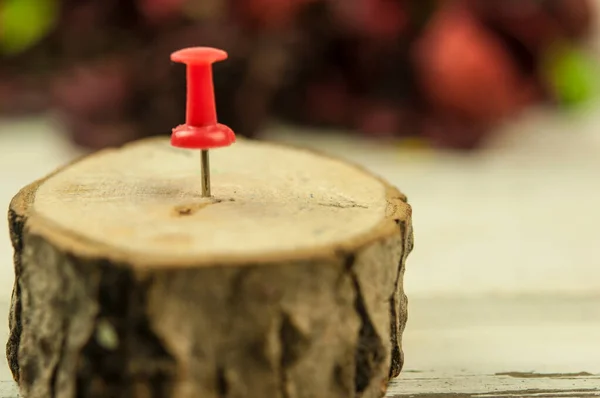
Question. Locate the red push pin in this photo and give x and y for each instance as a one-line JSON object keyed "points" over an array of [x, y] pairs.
{"points": [[201, 130]]}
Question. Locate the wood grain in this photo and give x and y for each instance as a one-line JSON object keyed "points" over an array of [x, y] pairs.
{"points": [[287, 284], [499, 385], [439, 385], [260, 191]]}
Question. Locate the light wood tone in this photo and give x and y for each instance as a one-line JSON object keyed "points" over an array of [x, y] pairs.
{"points": [[512, 348], [288, 284], [465, 385], [270, 202], [498, 385]]}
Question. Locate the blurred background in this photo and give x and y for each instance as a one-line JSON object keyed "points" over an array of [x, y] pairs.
{"points": [[485, 113], [444, 72]]}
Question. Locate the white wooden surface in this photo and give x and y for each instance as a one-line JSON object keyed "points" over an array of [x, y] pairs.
{"points": [[505, 275]]}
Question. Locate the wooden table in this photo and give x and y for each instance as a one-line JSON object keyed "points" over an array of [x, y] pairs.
{"points": [[506, 303], [511, 347]]}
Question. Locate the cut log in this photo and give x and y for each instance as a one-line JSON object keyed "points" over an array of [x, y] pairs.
{"points": [[287, 283]]}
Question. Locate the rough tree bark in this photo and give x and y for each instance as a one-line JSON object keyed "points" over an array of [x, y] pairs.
{"points": [[286, 284]]}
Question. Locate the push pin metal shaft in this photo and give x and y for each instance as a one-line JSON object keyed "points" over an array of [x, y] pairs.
{"points": [[201, 130], [205, 166]]}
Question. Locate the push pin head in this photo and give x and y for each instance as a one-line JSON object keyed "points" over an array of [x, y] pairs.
{"points": [[201, 130]]}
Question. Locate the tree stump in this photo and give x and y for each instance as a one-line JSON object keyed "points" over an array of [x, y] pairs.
{"points": [[287, 283]]}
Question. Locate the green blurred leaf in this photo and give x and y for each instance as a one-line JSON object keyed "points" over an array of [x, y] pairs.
{"points": [[24, 22], [573, 75]]}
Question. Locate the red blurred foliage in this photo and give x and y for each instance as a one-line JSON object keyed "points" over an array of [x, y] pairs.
{"points": [[376, 19], [445, 70], [86, 89], [536, 24], [158, 11], [465, 70], [269, 15]]}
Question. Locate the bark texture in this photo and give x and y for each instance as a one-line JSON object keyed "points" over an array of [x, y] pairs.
{"points": [[90, 326]]}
